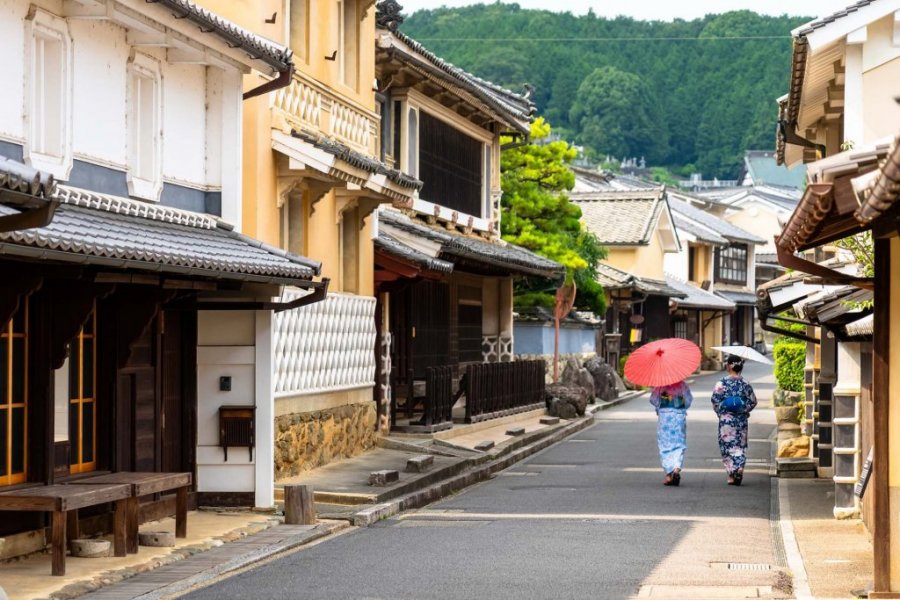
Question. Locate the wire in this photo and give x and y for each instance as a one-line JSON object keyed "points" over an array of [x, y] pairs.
{"points": [[613, 39]]}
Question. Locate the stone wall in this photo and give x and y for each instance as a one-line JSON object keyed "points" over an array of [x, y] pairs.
{"points": [[307, 440], [548, 359]]}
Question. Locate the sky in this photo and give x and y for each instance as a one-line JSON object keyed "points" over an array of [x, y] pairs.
{"points": [[658, 9]]}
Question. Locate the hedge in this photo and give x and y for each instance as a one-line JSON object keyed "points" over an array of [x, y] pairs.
{"points": [[790, 358]]}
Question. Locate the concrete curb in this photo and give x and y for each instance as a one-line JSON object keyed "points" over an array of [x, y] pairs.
{"points": [[622, 399], [373, 514], [224, 569]]}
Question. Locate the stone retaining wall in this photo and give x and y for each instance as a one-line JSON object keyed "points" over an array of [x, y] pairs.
{"points": [[304, 441]]}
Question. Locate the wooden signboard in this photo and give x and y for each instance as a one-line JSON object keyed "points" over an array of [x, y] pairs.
{"points": [[864, 476]]}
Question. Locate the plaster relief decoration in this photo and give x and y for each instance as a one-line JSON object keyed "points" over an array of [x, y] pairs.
{"points": [[497, 348], [384, 382], [301, 102], [326, 346]]}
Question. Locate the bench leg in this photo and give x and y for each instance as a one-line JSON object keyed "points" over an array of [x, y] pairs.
{"points": [[181, 512], [132, 514], [120, 528], [58, 542]]}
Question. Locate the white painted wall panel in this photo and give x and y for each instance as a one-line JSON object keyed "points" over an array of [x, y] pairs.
{"points": [[184, 124], [100, 59], [225, 328], [12, 69], [225, 478]]}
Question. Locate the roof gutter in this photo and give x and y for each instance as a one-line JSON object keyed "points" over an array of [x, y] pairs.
{"points": [[827, 274], [283, 80], [319, 288]]}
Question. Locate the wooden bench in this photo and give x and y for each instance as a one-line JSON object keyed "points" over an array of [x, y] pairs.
{"points": [[144, 484], [64, 500]]}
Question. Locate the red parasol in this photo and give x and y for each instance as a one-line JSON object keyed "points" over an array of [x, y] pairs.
{"points": [[662, 362]]}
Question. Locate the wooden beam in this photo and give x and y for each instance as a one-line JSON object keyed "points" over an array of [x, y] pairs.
{"points": [[881, 406]]}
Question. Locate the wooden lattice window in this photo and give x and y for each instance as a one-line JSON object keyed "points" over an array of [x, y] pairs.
{"points": [[450, 167], [732, 264], [82, 398], [14, 397]]}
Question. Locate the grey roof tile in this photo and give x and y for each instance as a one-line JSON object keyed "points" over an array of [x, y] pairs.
{"points": [[696, 297], [624, 218], [16, 177], [457, 246], [701, 233], [92, 228], [257, 47], [829, 19], [612, 278], [717, 225], [392, 246]]}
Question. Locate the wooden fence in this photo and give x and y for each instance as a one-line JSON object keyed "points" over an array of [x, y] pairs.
{"points": [[499, 389]]}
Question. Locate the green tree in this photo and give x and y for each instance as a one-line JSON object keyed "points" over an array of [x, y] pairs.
{"points": [[615, 113], [538, 215]]}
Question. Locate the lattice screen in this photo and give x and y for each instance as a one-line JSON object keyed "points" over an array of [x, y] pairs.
{"points": [[326, 346]]}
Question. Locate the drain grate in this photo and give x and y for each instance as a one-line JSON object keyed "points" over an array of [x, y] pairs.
{"points": [[749, 567]]}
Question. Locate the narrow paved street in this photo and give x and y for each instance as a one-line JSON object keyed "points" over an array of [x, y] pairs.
{"points": [[587, 518]]}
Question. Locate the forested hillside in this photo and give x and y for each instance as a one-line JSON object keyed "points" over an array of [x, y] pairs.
{"points": [[691, 95]]}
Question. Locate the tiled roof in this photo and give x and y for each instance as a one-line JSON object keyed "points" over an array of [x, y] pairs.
{"points": [[516, 109], [98, 229], [625, 218], [392, 246], [456, 246], [539, 314], [831, 302], [16, 177], [612, 278], [864, 327], [884, 190], [701, 233], [736, 293], [763, 167], [767, 258], [720, 226], [358, 160], [696, 297], [829, 19], [257, 47]]}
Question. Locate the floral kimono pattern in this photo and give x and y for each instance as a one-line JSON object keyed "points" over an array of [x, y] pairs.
{"points": [[733, 427], [671, 403]]}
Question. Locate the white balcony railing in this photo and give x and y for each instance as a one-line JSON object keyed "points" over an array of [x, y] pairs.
{"points": [[306, 104]]}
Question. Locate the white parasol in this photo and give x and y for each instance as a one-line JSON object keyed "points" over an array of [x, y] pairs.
{"points": [[745, 352]]}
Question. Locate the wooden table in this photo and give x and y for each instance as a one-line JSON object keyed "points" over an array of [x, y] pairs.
{"points": [[59, 500], [143, 484]]}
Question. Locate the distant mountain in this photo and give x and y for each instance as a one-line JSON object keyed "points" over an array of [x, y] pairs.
{"points": [[690, 95]]}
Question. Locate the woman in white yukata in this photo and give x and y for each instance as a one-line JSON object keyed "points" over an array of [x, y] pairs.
{"points": [[671, 403]]}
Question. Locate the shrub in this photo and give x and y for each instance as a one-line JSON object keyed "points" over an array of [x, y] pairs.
{"points": [[622, 361], [790, 358]]}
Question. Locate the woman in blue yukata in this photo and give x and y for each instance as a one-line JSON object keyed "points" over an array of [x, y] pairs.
{"points": [[672, 402], [733, 399]]}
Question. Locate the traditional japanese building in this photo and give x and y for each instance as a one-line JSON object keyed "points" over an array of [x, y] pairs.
{"points": [[843, 95], [136, 316], [443, 277]]}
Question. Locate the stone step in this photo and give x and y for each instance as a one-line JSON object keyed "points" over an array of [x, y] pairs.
{"points": [[383, 477], [484, 446], [795, 464], [549, 421], [419, 464], [515, 431]]}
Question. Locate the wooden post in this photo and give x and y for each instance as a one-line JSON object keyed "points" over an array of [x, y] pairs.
{"points": [[181, 512], [58, 542], [120, 541], [881, 427], [132, 516], [299, 508]]}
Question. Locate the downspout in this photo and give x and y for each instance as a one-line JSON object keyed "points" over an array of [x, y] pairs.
{"points": [[283, 80]]}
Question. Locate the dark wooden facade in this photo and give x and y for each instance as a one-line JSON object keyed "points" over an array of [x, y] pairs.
{"points": [[144, 388]]}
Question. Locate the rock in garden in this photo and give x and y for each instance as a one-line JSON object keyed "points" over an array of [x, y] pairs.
{"points": [[566, 401], [606, 381], [797, 447]]}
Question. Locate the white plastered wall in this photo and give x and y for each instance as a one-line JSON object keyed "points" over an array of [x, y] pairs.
{"points": [[235, 344]]}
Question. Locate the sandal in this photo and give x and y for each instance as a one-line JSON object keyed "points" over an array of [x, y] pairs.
{"points": [[731, 479], [676, 478], [738, 477], [670, 479]]}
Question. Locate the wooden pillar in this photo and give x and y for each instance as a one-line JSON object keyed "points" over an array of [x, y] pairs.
{"points": [[299, 508], [881, 541]]}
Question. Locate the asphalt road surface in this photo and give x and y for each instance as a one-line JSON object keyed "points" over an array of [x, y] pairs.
{"points": [[586, 518]]}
